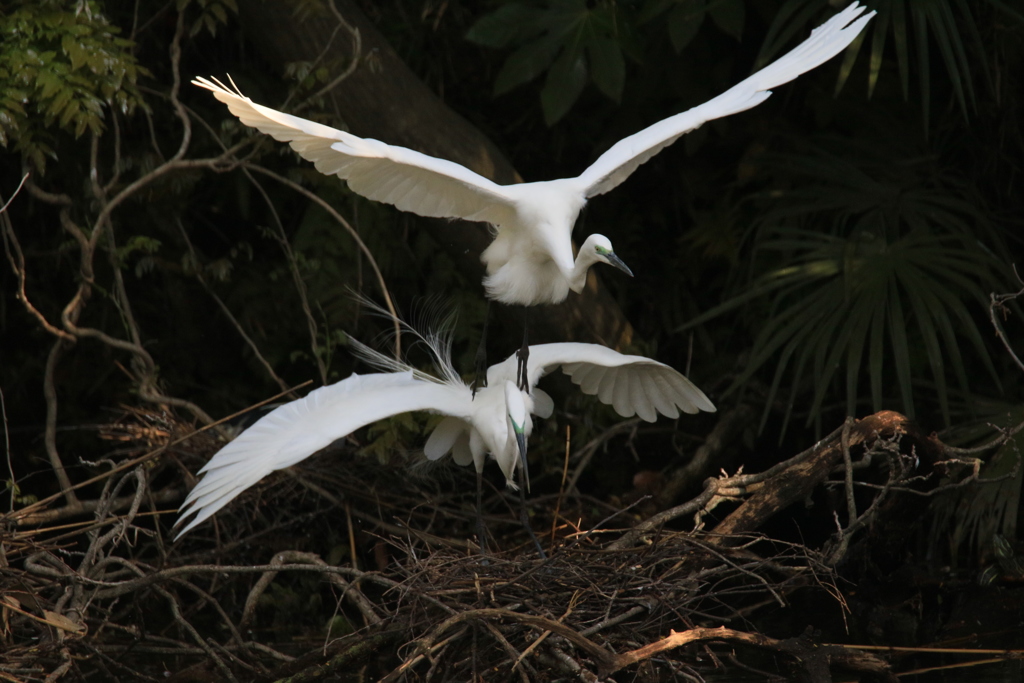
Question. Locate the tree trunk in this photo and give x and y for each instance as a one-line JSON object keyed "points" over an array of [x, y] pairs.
{"points": [[385, 100]]}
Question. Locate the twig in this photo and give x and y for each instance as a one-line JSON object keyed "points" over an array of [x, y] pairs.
{"points": [[17, 190], [998, 301], [293, 268], [50, 433], [235, 634], [12, 247], [352, 550], [65, 666], [561, 486], [794, 648], [586, 453], [190, 629], [512, 653], [295, 557], [851, 503], [1009, 654], [727, 429], [711, 487], [543, 623], [24, 516], [7, 451], [617, 619], [227, 311], [945, 667], [572, 666], [844, 535], [357, 53], [355, 236]]}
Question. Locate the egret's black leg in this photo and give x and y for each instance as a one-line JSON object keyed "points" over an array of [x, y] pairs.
{"points": [[480, 380], [481, 532], [522, 380], [524, 518]]}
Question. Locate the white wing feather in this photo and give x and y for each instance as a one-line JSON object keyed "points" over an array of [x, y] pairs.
{"points": [[395, 175], [625, 156], [632, 385], [297, 430], [444, 436]]}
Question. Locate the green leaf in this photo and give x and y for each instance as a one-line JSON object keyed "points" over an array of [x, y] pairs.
{"points": [[652, 9], [849, 57], [219, 12], [921, 34], [684, 21], [899, 36], [525, 64], [791, 19], [563, 86], [607, 67], [75, 51], [509, 23], [878, 34], [69, 113], [947, 37], [728, 15]]}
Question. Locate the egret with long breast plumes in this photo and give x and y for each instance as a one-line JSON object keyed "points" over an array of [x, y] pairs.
{"points": [[497, 422]]}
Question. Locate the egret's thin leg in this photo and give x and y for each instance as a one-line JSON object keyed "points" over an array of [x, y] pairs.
{"points": [[480, 379], [481, 532], [522, 380], [524, 518]]}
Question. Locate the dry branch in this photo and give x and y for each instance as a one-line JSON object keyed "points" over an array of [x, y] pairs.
{"points": [[813, 658], [795, 483]]}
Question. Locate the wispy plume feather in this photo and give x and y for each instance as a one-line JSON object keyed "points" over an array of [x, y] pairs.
{"points": [[434, 315]]}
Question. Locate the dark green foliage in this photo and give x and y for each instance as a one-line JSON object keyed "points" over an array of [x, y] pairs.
{"points": [[213, 14], [60, 67], [570, 40], [966, 523], [684, 17], [873, 262], [916, 27]]}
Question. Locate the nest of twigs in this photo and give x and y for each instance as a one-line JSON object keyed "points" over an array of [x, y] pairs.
{"points": [[349, 568]]}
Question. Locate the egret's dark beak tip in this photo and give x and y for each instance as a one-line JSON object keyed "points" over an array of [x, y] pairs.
{"points": [[521, 440], [614, 260]]}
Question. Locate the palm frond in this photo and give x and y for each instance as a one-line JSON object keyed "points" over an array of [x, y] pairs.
{"points": [[947, 26], [964, 521], [875, 271]]}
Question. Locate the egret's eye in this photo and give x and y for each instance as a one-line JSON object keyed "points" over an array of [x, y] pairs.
{"points": [[602, 251]]}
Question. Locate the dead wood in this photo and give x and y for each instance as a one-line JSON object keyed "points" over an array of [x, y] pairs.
{"points": [[813, 659], [708, 457], [795, 483]]}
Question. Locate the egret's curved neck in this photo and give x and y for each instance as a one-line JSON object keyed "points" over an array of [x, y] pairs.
{"points": [[578, 277]]}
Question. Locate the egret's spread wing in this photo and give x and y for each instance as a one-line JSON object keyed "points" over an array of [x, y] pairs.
{"points": [[297, 430], [633, 385], [625, 156], [410, 180]]}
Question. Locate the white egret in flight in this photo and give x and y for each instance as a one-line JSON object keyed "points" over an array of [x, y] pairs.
{"points": [[497, 422], [530, 261]]}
